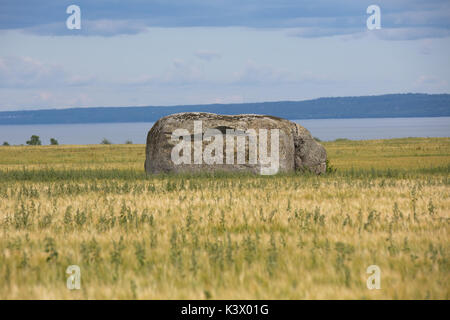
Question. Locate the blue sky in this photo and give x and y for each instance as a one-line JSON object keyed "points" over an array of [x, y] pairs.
{"points": [[132, 53]]}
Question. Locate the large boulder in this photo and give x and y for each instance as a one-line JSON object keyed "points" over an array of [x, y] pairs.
{"points": [[205, 142]]}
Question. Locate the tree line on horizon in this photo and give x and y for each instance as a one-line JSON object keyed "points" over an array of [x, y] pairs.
{"points": [[36, 141]]}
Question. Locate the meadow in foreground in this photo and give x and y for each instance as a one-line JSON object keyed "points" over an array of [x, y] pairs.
{"points": [[225, 236]]}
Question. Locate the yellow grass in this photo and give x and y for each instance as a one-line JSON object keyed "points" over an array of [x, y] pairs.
{"points": [[225, 236]]}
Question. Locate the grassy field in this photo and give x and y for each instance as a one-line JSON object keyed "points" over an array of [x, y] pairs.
{"points": [[226, 236]]}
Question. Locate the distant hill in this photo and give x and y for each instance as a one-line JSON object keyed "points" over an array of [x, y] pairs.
{"points": [[391, 105]]}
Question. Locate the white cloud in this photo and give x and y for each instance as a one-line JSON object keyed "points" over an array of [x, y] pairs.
{"points": [[32, 99], [180, 72], [429, 80], [410, 33], [46, 98], [254, 73], [426, 47], [27, 72], [319, 32], [207, 55], [228, 99], [114, 27], [101, 27], [437, 18], [183, 72]]}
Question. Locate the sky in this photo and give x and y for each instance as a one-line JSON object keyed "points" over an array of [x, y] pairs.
{"points": [[177, 52]]}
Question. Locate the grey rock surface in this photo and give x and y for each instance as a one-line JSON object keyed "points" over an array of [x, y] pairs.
{"points": [[297, 149]]}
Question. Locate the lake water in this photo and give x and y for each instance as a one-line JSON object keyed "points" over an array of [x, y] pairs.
{"points": [[324, 129]]}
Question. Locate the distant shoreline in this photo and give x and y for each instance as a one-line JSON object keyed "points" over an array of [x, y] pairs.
{"points": [[382, 106]]}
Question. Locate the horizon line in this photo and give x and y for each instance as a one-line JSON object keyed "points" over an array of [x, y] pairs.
{"points": [[224, 104]]}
